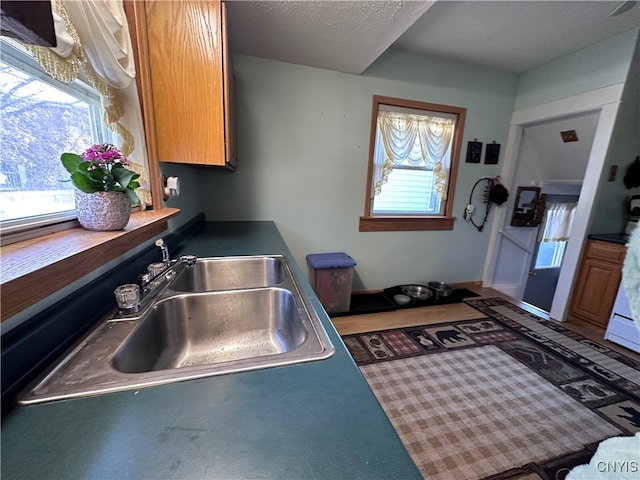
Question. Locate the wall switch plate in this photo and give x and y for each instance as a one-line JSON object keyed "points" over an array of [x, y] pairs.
{"points": [[467, 212]]}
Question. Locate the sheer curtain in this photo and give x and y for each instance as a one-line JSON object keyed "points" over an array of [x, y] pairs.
{"points": [[414, 140], [93, 42], [557, 222]]}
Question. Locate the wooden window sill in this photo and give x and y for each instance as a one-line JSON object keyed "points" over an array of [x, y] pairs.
{"points": [[34, 269], [390, 224]]}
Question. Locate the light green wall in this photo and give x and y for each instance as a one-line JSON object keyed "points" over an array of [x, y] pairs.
{"points": [[609, 214], [303, 137], [610, 62], [600, 65], [188, 201], [303, 140]]}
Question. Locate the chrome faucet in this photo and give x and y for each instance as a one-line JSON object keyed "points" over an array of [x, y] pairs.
{"points": [[154, 270], [151, 283]]}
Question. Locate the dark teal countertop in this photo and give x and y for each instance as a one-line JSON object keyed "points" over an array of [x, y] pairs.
{"points": [[317, 420], [618, 238]]}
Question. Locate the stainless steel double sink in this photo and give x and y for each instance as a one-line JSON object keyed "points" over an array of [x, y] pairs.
{"points": [[223, 315]]}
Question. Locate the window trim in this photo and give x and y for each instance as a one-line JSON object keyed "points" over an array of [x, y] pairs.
{"points": [[374, 223], [18, 57], [34, 269], [405, 223]]}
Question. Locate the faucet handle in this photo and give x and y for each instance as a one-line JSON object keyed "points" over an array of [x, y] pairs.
{"points": [[156, 269], [190, 260], [127, 296]]}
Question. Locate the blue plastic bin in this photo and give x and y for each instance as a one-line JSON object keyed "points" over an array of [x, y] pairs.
{"points": [[331, 277]]}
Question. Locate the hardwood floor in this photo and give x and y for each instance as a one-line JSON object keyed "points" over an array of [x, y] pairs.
{"points": [[457, 311]]}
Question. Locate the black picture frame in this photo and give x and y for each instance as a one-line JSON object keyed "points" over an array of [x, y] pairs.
{"points": [[525, 208], [492, 153], [474, 152]]}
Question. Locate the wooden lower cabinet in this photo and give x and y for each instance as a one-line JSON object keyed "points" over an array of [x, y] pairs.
{"points": [[597, 282]]}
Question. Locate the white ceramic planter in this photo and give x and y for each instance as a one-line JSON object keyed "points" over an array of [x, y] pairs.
{"points": [[103, 211]]}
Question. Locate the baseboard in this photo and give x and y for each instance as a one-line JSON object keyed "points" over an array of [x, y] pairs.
{"points": [[510, 289]]}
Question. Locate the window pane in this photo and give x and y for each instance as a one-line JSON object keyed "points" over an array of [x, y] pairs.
{"points": [[408, 191], [39, 123], [550, 254]]}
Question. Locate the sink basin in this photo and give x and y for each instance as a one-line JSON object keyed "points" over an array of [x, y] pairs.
{"points": [[227, 273], [209, 328], [221, 316]]}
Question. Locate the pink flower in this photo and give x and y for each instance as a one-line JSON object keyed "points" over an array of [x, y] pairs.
{"points": [[104, 154]]}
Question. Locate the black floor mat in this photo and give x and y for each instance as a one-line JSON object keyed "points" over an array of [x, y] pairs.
{"points": [[362, 303]]}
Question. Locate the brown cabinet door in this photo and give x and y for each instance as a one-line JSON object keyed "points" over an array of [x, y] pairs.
{"points": [[597, 283], [186, 42], [595, 292]]}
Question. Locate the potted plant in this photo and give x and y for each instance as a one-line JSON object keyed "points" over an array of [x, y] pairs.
{"points": [[105, 187]]}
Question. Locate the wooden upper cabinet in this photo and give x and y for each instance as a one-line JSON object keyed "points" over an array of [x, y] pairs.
{"points": [[189, 96]]}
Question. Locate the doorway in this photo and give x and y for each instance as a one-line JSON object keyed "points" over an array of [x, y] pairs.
{"points": [[551, 243], [510, 249]]}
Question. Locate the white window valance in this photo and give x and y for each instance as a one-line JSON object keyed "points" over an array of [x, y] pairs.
{"points": [[557, 222]]}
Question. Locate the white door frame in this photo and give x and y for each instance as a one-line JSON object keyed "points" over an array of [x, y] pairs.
{"points": [[605, 100]]}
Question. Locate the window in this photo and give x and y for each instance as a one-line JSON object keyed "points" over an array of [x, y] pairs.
{"points": [[550, 254], [41, 118], [554, 233], [413, 160]]}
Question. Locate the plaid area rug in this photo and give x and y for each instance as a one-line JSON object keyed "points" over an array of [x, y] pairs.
{"points": [[505, 396]]}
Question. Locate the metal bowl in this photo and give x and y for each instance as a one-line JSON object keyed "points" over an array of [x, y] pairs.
{"points": [[417, 292], [442, 289]]}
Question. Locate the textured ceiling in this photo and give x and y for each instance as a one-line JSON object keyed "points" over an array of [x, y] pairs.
{"points": [[554, 159], [348, 36], [514, 36]]}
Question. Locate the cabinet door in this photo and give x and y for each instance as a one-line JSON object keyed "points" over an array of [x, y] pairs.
{"points": [[596, 288], [229, 96], [187, 80]]}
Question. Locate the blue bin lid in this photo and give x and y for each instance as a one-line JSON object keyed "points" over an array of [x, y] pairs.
{"points": [[330, 260]]}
